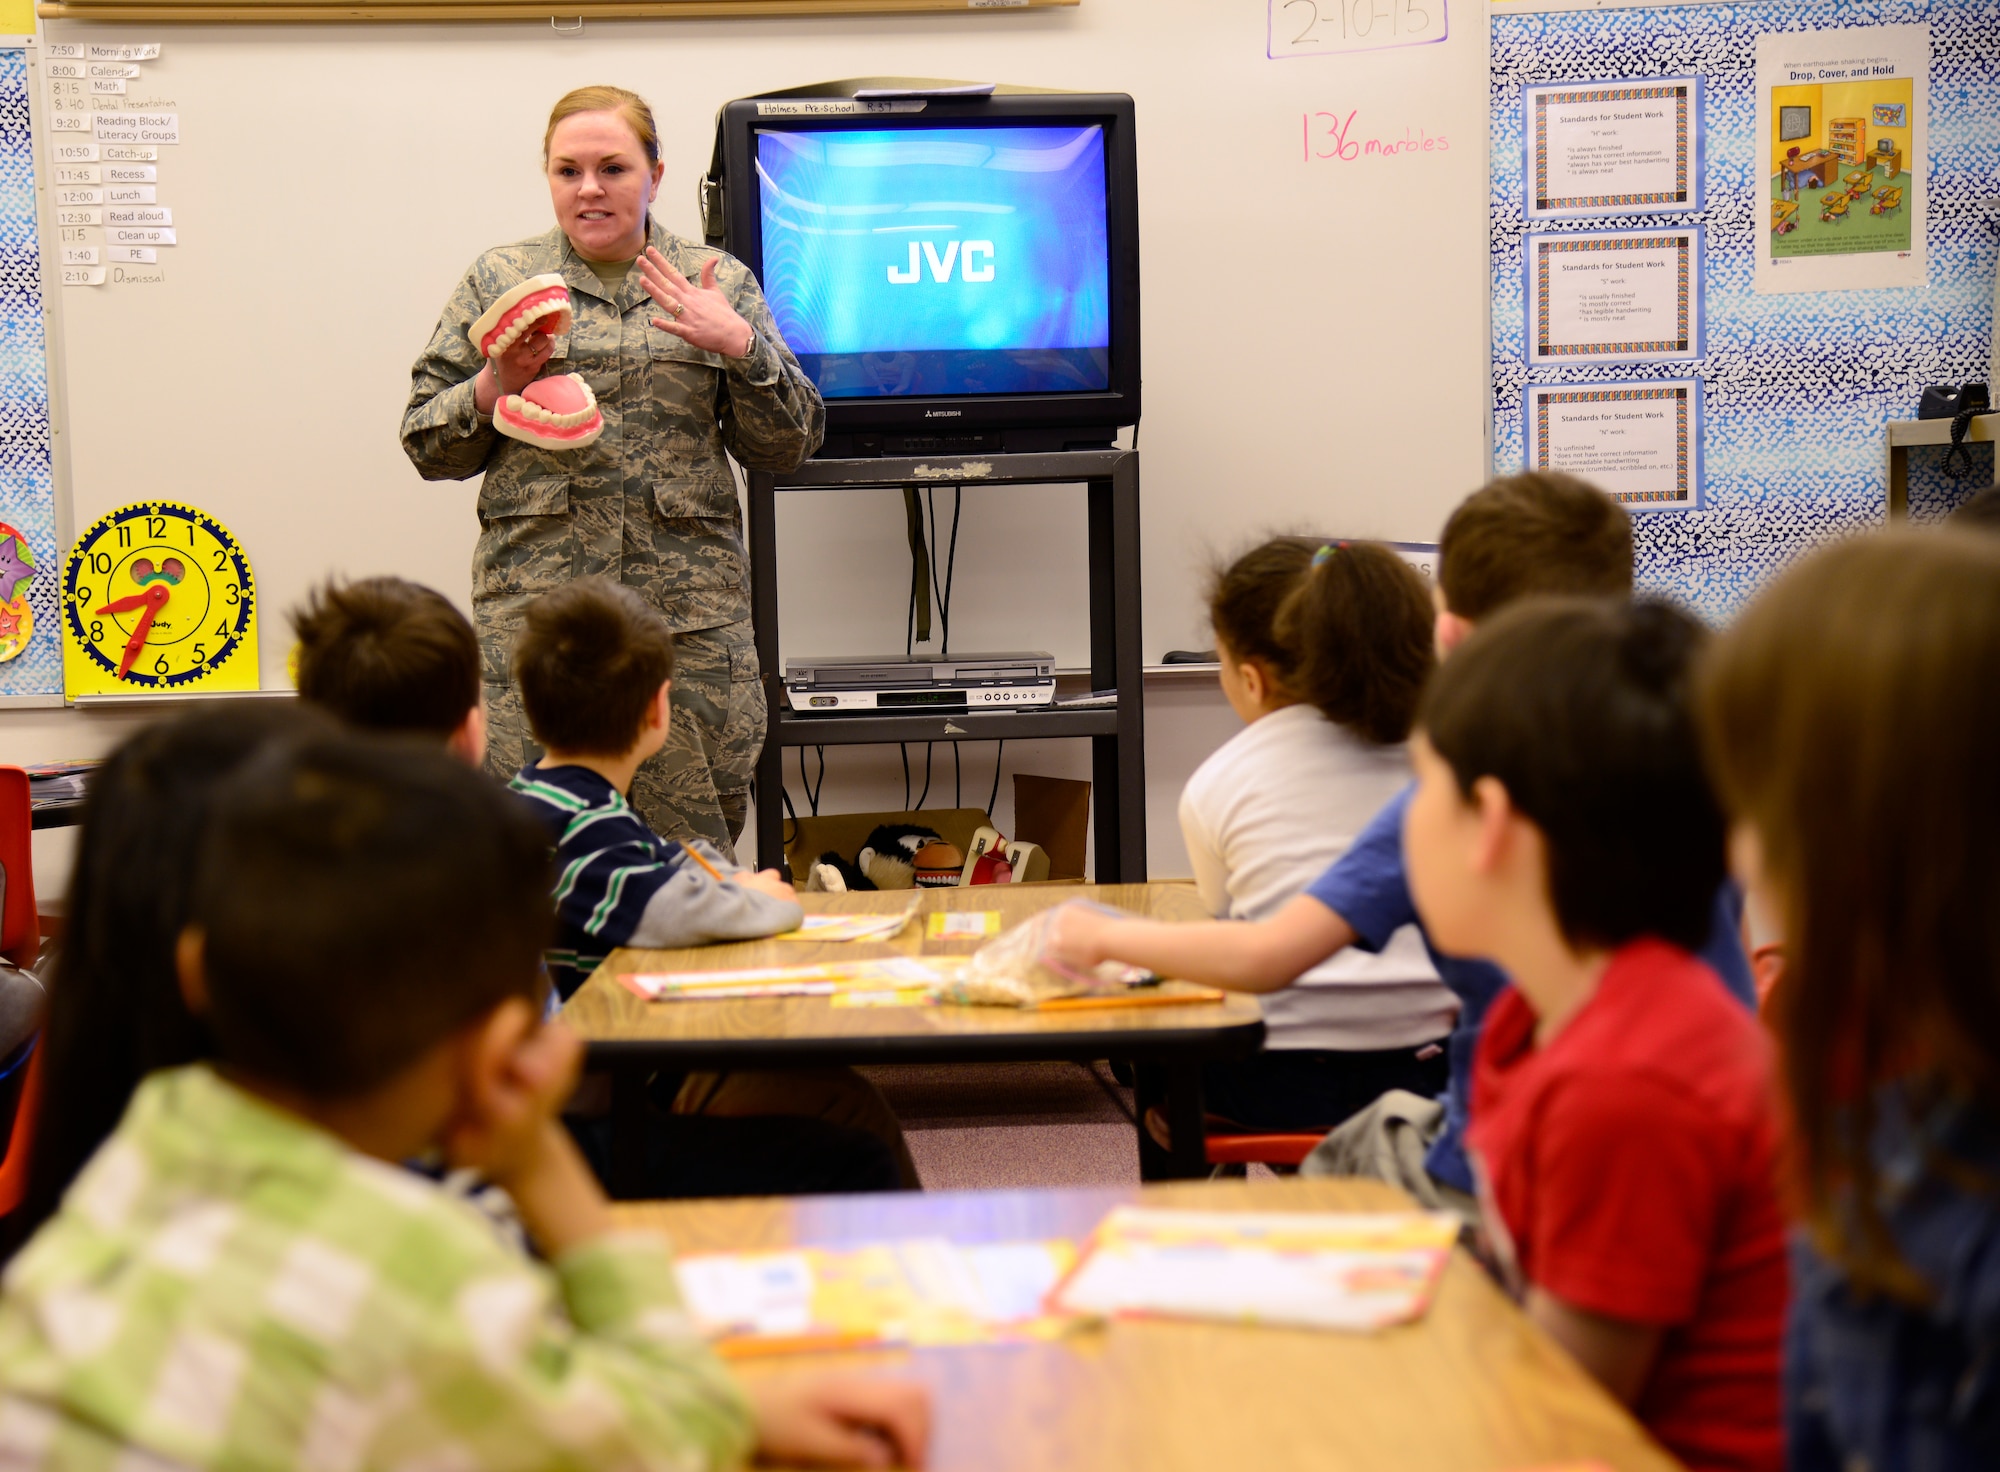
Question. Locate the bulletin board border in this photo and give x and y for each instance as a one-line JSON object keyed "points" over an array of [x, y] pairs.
{"points": [[51, 693]]}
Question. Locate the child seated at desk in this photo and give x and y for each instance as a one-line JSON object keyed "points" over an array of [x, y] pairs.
{"points": [[1324, 653], [594, 665], [385, 654], [1534, 533], [595, 668], [244, 1277], [1852, 714], [1623, 1121]]}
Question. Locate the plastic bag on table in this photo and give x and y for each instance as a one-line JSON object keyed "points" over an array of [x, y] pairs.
{"points": [[1014, 970]]}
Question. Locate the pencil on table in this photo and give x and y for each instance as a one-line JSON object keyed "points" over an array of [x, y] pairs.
{"points": [[713, 872]]}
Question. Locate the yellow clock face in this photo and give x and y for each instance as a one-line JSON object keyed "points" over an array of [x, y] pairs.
{"points": [[158, 597]]}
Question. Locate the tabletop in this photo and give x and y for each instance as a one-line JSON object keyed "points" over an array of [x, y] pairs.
{"points": [[1470, 1387], [613, 1020]]}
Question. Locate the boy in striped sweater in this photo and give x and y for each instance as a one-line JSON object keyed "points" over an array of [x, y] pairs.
{"points": [[595, 666]]}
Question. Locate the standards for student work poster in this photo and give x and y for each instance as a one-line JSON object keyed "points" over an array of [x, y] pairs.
{"points": [[1612, 148], [1639, 442], [1606, 295], [1841, 121]]}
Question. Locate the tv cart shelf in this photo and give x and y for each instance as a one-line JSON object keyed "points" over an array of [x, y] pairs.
{"points": [[1117, 735]]}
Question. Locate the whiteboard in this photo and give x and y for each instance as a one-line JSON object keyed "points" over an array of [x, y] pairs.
{"points": [[1314, 326]]}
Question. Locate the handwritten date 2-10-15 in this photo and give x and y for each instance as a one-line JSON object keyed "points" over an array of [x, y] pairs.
{"points": [[1328, 27]]}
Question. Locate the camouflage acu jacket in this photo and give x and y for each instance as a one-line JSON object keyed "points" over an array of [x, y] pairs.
{"points": [[652, 502]]}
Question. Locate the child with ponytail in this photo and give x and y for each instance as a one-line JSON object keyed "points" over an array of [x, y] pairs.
{"points": [[1324, 652]]}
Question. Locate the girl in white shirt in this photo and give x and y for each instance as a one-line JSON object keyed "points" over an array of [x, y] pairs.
{"points": [[1324, 652]]}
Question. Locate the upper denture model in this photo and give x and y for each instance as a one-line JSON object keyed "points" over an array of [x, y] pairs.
{"points": [[539, 303], [557, 413]]}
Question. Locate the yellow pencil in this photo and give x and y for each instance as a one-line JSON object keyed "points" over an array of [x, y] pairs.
{"points": [[756, 1347], [713, 872]]}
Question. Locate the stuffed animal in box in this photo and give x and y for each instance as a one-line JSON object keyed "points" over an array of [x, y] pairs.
{"points": [[896, 856]]}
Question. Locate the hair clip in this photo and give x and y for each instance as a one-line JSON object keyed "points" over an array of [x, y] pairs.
{"points": [[1326, 551]]}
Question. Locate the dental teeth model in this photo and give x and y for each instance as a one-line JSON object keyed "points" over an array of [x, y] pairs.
{"points": [[556, 413], [540, 302]]}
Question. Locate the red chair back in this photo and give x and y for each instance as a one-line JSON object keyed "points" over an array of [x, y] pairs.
{"points": [[1272, 1149], [21, 1134], [20, 926]]}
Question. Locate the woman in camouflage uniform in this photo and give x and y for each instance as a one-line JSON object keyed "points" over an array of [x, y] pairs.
{"points": [[677, 344]]}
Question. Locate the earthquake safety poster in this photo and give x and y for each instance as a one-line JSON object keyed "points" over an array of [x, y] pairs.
{"points": [[1841, 121]]}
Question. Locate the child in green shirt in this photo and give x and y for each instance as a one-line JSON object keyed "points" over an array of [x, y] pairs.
{"points": [[243, 1277]]}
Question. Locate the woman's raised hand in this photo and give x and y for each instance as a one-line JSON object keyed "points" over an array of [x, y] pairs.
{"points": [[698, 315]]}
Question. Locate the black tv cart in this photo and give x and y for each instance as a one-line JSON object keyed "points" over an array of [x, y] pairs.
{"points": [[1117, 735]]}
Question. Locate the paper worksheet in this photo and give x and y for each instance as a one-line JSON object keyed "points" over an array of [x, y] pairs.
{"points": [[1319, 1270]]}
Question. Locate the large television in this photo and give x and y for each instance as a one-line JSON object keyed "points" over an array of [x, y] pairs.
{"points": [[957, 274]]}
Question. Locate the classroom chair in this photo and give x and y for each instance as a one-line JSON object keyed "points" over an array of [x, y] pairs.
{"points": [[1269, 1149], [20, 925], [20, 1097]]}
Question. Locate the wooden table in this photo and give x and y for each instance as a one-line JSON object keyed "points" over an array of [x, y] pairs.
{"points": [[1471, 1387], [630, 1037]]}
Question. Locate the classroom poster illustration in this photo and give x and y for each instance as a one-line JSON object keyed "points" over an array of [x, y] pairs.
{"points": [[1841, 118], [1603, 296], [1640, 442], [1613, 148]]}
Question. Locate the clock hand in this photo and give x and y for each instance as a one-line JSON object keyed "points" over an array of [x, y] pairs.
{"points": [[126, 605], [152, 601]]}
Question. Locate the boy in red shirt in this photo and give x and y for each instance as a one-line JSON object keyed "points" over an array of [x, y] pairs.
{"points": [[1623, 1130]]}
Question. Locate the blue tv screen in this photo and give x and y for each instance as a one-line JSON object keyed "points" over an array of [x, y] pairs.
{"points": [[939, 261]]}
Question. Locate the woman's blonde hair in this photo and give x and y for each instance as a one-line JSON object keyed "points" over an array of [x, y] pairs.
{"points": [[628, 105]]}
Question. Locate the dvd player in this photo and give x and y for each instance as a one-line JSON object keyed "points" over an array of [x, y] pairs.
{"points": [[851, 683]]}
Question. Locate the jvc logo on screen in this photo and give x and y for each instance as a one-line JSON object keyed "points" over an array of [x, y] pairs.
{"points": [[940, 265]]}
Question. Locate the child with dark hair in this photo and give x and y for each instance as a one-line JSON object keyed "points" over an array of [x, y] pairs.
{"points": [[1539, 532], [1852, 715], [388, 655], [243, 1277], [1324, 651], [1622, 1116], [594, 665], [115, 1012]]}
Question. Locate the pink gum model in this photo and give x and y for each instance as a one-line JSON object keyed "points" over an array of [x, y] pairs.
{"points": [[557, 413]]}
